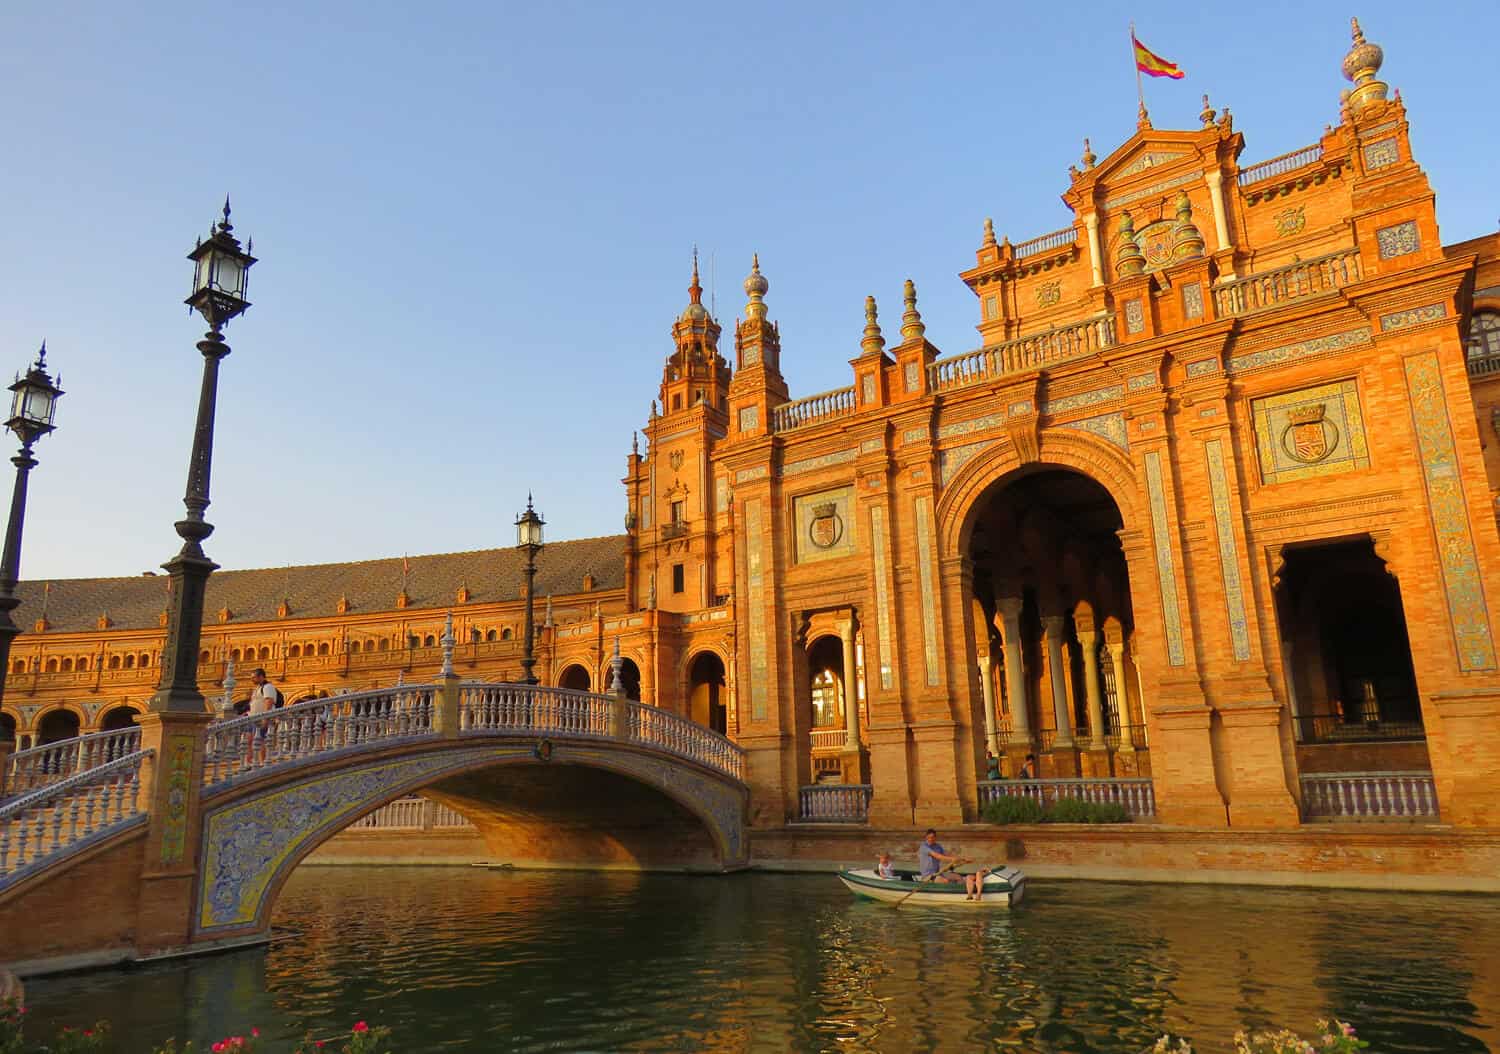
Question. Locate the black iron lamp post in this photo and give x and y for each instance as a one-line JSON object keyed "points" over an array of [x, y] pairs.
{"points": [[529, 538], [33, 403], [220, 268]]}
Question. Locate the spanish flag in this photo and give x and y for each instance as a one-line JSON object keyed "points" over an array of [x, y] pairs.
{"points": [[1152, 64]]}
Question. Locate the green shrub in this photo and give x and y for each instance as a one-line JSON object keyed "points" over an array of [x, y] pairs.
{"points": [[1075, 810], [1006, 809]]}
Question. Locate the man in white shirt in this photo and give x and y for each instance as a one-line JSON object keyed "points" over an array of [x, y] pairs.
{"points": [[262, 700]]}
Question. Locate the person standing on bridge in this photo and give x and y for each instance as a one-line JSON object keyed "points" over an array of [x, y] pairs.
{"points": [[262, 701]]}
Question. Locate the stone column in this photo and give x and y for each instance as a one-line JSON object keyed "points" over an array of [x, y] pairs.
{"points": [[851, 688], [1053, 626], [1015, 676], [1122, 702], [987, 683], [1096, 261], [1216, 197], [1089, 641], [170, 793]]}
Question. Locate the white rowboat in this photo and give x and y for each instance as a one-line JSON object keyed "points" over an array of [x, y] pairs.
{"points": [[1002, 887]]}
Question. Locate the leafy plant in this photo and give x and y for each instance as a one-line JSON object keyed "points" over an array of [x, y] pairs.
{"points": [[1074, 810], [1007, 809], [1333, 1037]]}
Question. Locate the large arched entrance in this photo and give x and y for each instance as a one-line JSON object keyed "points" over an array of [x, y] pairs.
{"points": [[1052, 593], [118, 718], [574, 677], [825, 700], [56, 725], [706, 692], [7, 728]]}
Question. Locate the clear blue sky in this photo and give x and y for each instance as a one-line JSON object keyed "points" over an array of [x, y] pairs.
{"points": [[475, 220]]}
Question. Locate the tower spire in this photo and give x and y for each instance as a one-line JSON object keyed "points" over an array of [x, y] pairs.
{"points": [[873, 342]]}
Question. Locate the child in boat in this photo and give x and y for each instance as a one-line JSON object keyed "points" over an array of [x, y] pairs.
{"points": [[884, 868]]}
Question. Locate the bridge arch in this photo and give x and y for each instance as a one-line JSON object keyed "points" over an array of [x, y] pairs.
{"points": [[254, 834]]}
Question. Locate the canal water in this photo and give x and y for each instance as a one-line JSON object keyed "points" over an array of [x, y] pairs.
{"points": [[461, 959]]}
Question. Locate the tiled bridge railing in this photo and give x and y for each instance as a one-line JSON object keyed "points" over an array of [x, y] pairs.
{"points": [[28, 770], [1134, 794], [68, 814]]}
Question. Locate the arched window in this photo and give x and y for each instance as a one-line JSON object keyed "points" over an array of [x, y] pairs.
{"points": [[384, 644], [235, 655], [67, 666], [323, 648], [205, 656], [19, 666], [490, 635], [114, 662], [1484, 335], [144, 660], [130, 662], [475, 636], [354, 647], [83, 665], [429, 641], [505, 634], [294, 652], [52, 666], [265, 653]]}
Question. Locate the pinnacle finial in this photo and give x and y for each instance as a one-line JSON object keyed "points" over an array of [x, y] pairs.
{"points": [[873, 342], [755, 288], [1360, 66], [695, 291], [989, 231], [1355, 32], [224, 224], [1142, 118], [1206, 115], [912, 327], [1088, 154], [41, 355]]}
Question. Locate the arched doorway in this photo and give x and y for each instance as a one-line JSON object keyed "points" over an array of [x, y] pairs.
{"points": [[1052, 595], [825, 697], [1346, 649], [630, 675], [7, 728], [707, 693], [56, 725], [118, 718], [574, 677]]}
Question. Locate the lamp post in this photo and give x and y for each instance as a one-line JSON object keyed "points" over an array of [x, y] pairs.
{"points": [[33, 402], [220, 268], [529, 538]]}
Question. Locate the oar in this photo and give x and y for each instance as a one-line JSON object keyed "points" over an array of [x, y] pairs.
{"points": [[946, 867]]}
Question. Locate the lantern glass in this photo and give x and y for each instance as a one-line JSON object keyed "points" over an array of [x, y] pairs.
{"points": [[33, 403], [529, 529]]}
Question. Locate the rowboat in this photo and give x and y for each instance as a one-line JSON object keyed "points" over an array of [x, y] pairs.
{"points": [[1002, 887]]}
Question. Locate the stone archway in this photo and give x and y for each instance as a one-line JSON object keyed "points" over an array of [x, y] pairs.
{"points": [[117, 718], [630, 677], [574, 677], [707, 692], [57, 725]]}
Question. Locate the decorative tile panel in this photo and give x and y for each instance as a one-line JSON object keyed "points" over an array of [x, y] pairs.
{"points": [[1147, 160], [750, 355], [1203, 367], [914, 435], [914, 376], [950, 461], [1048, 293], [1316, 431], [1192, 300], [1290, 221], [1152, 191], [1107, 426], [867, 388], [1073, 402], [745, 475], [1306, 349], [1140, 382], [824, 524], [749, 418], [927, 576], [963, 428], [1415, 317], [812, 464], [755, 560], [1229, 556], [870, 446], [1398, 240], [1380, 154], [1166, 567], [886, 644], [1135, 316], [1021, 406], [1467, 611]]}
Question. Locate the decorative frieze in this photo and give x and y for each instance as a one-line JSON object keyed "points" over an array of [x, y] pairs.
{"points": [[950, 461], [1152, 191], [1093, 398], [1149, 159], [1304, 349], [914, 435], [1229, 556], [870, 446], [1110, 427], [1380, 154], [1021, 406], [1414, 317], [1317, 431], [755, 544], [811, 464], [749, 418], [927, 576], [884, 641], [1141, 382], [1202, 368], [1166, 566], [1467, 611], [961, 428], [1399, 239], [745, 475]]}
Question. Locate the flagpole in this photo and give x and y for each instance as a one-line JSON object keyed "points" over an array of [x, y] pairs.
{"points": [[1140, 92]]}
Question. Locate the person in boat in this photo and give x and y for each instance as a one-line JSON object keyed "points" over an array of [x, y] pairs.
{"points": [[936, 865], [883, 866]]}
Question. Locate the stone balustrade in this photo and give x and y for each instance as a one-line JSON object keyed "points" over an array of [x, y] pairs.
{"points": [[36, 828], [814, 409], [1483, 365], [829, 738], [1365, 796], [1255, 292], [1024, 353], [1136, 795], [412, 813], [1281, 165], [1044, 243], [26, 770], [834, 803]]}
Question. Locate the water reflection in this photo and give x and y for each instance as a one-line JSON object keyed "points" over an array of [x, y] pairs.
{"points": [[457, 959]]}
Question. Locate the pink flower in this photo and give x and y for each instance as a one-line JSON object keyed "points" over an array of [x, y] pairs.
{"points": [[319, 1044], [218, 1047], [88, 1032], [360, 1026], [255, 1032]]}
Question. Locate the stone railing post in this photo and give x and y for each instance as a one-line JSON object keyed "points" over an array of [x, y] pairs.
{"points": [[445, 701], [170, 793], [619, 702]]}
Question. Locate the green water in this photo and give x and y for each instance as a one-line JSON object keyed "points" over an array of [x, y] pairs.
{"points": [[465, 959]]}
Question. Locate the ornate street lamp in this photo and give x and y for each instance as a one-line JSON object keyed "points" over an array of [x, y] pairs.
{"points": [[529, 538], [220, 269], [32, 406]]}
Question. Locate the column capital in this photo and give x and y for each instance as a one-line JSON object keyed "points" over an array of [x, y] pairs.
{"points": [[1053, 622]]}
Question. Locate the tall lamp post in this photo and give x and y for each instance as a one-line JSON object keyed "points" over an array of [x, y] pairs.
{"points": [[529, 538], [33, 402], [220, 268]]}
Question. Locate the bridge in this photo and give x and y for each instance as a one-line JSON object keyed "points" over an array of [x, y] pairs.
{"points": [[176, 835]]}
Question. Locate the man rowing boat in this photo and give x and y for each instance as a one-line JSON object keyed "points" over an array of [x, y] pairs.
{"points": [[936, 865]]}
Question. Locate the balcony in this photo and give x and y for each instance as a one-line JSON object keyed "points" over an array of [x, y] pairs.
{"points": [[825, 406], [1280, 166], [1483, 365], [1256, 292], [1136, 795], [674, 529], [1024, 353], [1369, 796], [1336, 728], [834, 803]]}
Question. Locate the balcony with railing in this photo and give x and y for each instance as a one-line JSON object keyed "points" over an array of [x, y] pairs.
{"points": [[1281, 165], [1337, 728], [674, 529], [1055, 345], [1256, 292], [1045, 243], [834, 803], [814, 409], [1368, 796], [1135, 795], [1483, 365]]}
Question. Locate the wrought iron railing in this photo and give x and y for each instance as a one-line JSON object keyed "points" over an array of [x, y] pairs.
{"points": [[37, 828], [1136, 795], [1336, 728], [1363, 796], [814, 408], [1280, 166], [834, 803], [39, 766], [1322, 274], [1483, 365], [561, 712], [1023, 353]]}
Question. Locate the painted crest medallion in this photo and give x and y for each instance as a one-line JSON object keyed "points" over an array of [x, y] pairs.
{"points": [[1309, 436], [827, 527]]}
